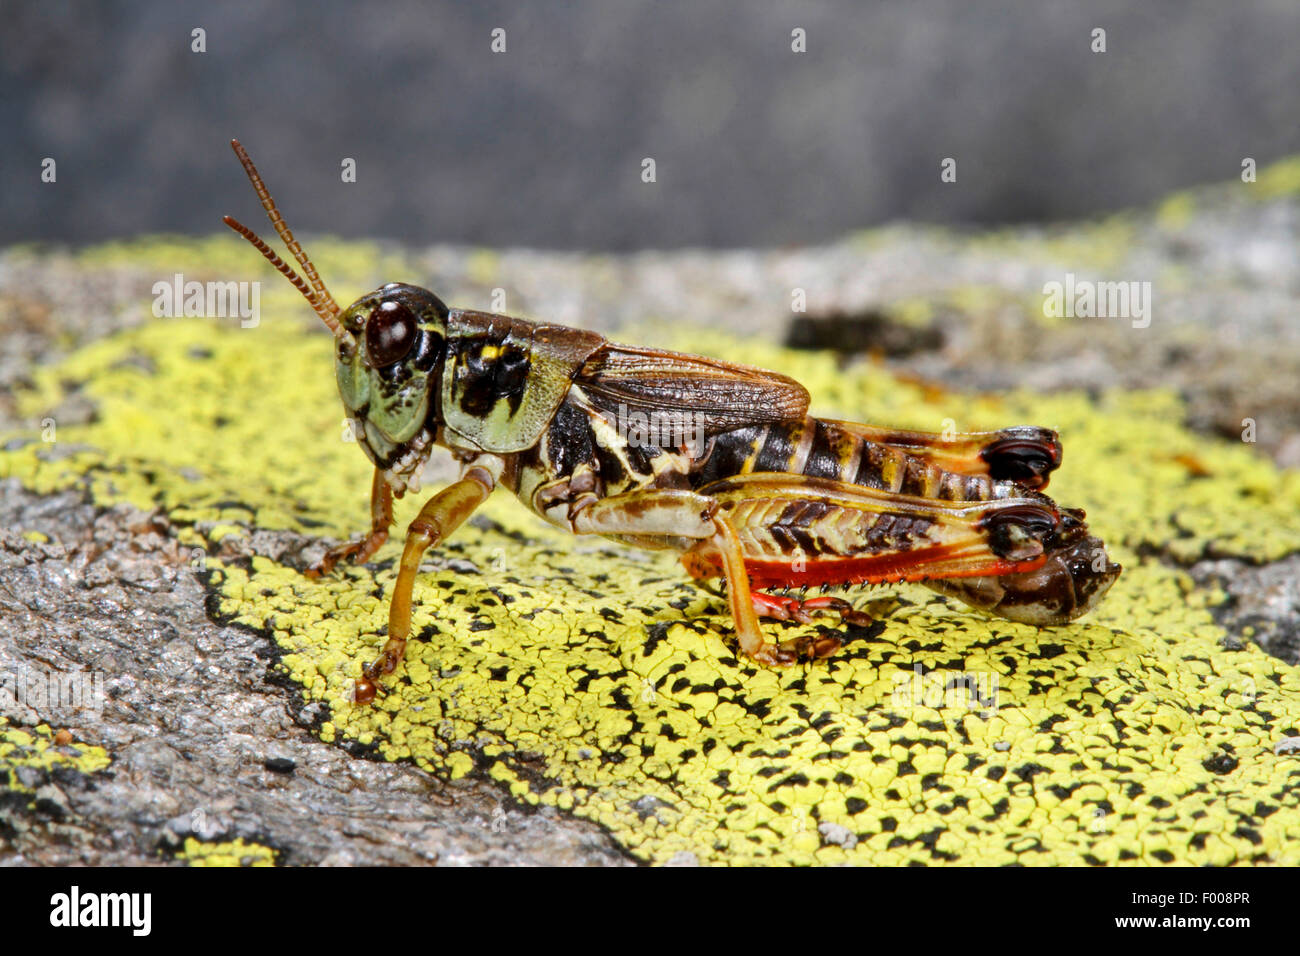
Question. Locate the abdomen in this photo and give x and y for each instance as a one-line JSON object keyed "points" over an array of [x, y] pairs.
{"points": [[821, 449]]}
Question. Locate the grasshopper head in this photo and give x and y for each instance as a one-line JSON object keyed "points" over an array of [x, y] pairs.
{"points": [[388, 368], [389, 348]]}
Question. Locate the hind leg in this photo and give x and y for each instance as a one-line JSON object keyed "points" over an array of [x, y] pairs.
{"points": [[784, 608], [685, 514]]}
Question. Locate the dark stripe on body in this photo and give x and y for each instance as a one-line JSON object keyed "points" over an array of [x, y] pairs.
{"points": [[916, 477], [728, 454], [792, 529], [570, 441], [610, 466], [511, 378], [828, 445], [483, 382], [871, 469], [779, 447]]}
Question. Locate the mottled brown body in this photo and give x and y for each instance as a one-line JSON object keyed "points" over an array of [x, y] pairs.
{"points": [[584, 457], [718, 461]]}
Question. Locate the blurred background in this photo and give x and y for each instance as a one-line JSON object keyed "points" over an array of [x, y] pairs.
{"points": [[542, 145]]}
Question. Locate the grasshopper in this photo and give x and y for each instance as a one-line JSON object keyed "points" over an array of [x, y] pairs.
{"points": [[758, 493]]}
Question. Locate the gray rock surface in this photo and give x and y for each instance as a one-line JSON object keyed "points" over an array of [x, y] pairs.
{"points": [[205, 743]]}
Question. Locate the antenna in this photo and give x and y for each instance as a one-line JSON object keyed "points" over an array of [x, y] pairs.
{"points": [[317, 295]]}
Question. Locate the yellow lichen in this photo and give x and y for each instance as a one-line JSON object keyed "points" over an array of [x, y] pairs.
{"points": [[37, 748], [1278, 179], [230, 853]]}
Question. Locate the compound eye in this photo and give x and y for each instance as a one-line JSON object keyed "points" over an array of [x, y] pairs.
{"points": [[390, 333]]}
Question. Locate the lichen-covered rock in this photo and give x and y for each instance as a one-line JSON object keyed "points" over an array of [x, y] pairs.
{"points": [[166, 480]]}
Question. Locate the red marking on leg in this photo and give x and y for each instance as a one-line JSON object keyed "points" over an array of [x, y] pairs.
{"points": [[886, 569], [892, 568], [779, 607], [785, 608]]}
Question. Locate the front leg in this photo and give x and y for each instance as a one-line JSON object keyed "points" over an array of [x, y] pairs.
{"points": [[441, 515], [362, 550]]}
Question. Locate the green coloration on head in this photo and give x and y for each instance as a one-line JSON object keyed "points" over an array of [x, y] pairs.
{"points": [[389, 372]]}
